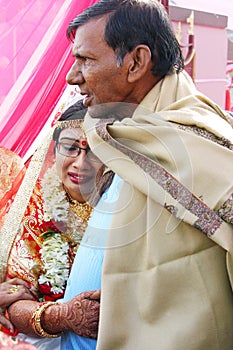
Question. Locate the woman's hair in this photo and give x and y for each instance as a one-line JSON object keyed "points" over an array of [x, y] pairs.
{"points": [[74, 112], [134, 22]]}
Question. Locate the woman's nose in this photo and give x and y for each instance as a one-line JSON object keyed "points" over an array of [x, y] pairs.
{"points": [[81, 160], [74, 76]]}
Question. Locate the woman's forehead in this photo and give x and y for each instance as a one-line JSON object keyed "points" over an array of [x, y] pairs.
{"points": [[74, 133]]}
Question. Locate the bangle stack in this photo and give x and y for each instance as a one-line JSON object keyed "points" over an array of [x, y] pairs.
{"points": [[36, 320]]}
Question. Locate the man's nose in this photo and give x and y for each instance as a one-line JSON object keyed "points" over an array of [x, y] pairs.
{"points": [[74, 76]]}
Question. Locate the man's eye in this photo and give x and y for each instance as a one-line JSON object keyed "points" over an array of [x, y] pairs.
{"points": [[81, 59]]}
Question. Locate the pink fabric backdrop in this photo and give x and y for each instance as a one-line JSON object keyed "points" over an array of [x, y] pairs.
{"points": [[35, 56]]}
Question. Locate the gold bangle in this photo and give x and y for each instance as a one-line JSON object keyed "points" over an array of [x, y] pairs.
{"points": [[36, 320]]}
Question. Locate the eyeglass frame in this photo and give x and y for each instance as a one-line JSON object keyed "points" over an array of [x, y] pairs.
{"points": [[79, 149]]}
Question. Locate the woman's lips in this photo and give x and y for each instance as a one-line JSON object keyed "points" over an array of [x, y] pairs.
{"points": [[78, 179]]}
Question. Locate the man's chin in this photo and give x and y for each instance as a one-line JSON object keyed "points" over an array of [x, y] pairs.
{"points": [[116, 110]]}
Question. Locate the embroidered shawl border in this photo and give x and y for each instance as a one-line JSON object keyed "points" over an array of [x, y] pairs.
{"points": [[207, 220]]}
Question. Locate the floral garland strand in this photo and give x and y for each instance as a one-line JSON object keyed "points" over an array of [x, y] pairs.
{"points": [[63, 229], [56, 206], [54, 250], [55, 257]]}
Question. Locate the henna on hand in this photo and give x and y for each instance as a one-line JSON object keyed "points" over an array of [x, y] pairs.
{"points": [[79, 315], [20, 314]]}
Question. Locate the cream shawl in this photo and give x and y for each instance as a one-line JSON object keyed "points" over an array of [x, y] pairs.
{"points": [[165, 283]]}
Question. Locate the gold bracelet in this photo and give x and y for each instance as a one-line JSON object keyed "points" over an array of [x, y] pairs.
{"points": [[36, 320]]}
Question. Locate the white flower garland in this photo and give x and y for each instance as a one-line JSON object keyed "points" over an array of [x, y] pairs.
{"points": [[54, 250], [56, 206], [54, 254]]}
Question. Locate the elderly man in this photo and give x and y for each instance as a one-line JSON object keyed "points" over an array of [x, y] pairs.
{"points": [[164, 279]]}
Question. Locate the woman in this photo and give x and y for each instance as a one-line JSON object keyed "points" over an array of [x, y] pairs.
{"points": [[54, 210]]}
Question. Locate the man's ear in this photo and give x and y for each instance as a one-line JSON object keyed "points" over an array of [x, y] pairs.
{"points": [[140, 63]]}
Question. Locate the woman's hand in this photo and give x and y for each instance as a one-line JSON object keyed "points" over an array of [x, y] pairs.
{"points": [[82, 314], [11, 291], [79, 315]]}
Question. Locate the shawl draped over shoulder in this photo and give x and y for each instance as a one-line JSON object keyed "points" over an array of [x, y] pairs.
{"points": [[168, 269]]}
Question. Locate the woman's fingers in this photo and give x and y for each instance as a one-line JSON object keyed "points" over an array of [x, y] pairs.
{"points": [[6, 323], [5, 286], [95, 295], [13, 292], [92, 294], [17, 281], [10, 292]]}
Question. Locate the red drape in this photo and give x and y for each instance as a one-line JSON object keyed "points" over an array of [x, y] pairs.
{"points": [[35, 56]]}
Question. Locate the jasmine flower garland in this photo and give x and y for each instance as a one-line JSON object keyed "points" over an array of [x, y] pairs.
{"points": [[56, 206], [54, 255], [54, 250], [63, 224]]}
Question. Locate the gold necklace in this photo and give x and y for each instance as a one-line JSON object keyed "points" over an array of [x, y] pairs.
{"points": [[82, 210]]}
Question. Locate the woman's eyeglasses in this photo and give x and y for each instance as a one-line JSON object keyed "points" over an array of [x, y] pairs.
{"points": [[73, 151]]}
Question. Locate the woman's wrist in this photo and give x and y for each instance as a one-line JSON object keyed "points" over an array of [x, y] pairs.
{"points": [[38, 321], [52, 320], [30, 319], [20, 315], [79, 315]]}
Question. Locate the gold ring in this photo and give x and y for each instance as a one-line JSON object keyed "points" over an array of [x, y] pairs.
{"points": [[14, 289]]}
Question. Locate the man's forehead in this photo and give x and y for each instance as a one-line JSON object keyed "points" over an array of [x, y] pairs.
{"points": [[94, 28]]}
